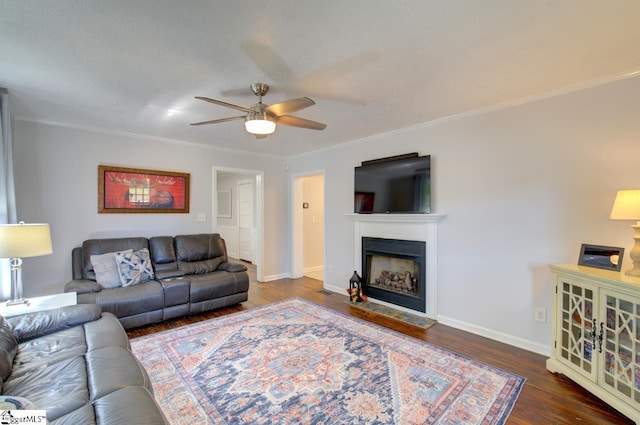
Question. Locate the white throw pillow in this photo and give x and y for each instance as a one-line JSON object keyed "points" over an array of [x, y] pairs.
{"points": [[134, 267], [106, 268]]}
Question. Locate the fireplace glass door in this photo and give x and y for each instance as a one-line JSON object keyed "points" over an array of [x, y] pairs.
{"points": [[394, 271]]}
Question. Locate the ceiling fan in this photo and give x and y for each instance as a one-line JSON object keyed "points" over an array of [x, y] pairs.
{"points": [[261, 119]]}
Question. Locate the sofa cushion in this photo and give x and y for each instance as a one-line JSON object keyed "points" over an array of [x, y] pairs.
{"points": [[163, 257], [82, 415], [199, 254], [127, 301], [134, 267], [106, 332], [131, 402], [162, 250], [217, 285], [58, 387], [106, 268], [8, 348], [112, 368], [51, 348]]}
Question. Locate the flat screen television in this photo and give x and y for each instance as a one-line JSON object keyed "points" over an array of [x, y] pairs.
{"points": [[395, 185]]}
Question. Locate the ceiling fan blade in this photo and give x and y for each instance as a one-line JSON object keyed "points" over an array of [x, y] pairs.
{"points": [[221, 103], [219, 121], [289, 106], [300, 122]]}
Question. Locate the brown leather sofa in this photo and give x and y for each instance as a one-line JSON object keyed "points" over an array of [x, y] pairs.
{"points": [[75, 363], [192, 274]]}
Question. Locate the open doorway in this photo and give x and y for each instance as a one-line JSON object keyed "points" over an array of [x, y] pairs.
{"points": [[308, 226], [238, 213]]}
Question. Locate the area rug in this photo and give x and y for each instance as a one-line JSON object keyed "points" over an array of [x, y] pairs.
{"points": [[294, 362], [394, 313]]}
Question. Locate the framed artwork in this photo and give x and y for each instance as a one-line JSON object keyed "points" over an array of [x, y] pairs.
{"points": [[363, 202], [133, 190], [601, 257], [224, 203]]}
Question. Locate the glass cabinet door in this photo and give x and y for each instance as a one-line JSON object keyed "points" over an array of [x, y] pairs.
{"points": [[621, 347], [578, 333]]}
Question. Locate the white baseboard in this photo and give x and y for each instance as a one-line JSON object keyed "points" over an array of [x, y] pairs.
{"points": [[535, 347], [314, 269], [336, 289], [276, 277], [525, 344]]}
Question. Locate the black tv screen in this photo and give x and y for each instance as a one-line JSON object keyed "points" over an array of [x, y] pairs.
{"points": [[400, 185]]}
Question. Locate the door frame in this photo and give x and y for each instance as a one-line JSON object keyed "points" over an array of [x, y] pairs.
{"points": [[253, 236], [259, 209], [297, 231]]}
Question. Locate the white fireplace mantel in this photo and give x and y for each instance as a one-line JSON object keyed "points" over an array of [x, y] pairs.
{"points": [[396, 218], [415, 227]]}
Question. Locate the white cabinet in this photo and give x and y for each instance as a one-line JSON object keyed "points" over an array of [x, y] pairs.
{"points": [[596, 328]]}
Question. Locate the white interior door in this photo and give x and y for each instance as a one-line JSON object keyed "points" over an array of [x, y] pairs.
{"points": [[245, 220]]}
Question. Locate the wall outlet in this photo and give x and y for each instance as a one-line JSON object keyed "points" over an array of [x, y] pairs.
{"points": [[201, 217], [540, 315]]}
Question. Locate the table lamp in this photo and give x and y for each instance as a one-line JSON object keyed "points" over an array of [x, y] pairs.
{"points": [[627, 207], [18, 241]]}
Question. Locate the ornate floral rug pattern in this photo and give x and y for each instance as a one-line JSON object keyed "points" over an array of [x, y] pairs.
{"points": [[294, 362]]}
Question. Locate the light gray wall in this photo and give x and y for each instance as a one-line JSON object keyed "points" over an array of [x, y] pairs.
{"points": [[521, 187], [56, 170]]}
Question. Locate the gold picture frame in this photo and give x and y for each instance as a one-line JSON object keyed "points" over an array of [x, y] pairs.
{"points": [[136, 190]]}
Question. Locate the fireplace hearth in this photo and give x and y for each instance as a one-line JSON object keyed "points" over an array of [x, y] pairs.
{"points": [[394, 271]]}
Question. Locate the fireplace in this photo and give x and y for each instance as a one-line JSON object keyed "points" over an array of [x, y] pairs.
{"points": [[394, 271], [407, 227]]}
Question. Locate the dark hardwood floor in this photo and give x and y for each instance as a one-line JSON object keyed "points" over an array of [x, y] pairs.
{"points": [[545, 398]]}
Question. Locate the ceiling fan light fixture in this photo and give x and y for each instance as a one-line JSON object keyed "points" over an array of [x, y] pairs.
{"points": [[259, 123]]}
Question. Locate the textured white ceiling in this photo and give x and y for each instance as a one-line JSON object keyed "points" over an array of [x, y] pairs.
{"points": [[372, 66]]}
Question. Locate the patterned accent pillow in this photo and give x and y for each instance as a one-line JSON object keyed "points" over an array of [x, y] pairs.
{"points": [[135, 267], [9, 402], [105, 267]]}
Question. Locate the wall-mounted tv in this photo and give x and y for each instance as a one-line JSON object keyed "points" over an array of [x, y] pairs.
{"points": [[394, 185]]}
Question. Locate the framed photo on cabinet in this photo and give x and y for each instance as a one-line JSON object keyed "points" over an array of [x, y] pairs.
{"points": [[601, 257]]}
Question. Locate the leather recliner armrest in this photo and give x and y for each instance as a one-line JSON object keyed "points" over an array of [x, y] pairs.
{"points": [[83, 286], [33, 325], [232, 267]]}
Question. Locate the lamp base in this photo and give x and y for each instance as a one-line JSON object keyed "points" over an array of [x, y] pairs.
{"points": [[634, 272], [635, 252]]}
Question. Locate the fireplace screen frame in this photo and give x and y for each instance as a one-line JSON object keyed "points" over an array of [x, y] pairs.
{"points": [[397, 248]]}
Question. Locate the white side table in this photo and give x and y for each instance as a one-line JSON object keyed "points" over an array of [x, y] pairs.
{"points": [[39, 304]]}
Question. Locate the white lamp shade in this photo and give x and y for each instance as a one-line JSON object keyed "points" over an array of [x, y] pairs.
{"points": [[24, 240]]}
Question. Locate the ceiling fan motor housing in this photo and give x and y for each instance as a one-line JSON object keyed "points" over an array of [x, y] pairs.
{"points": [[260, 89]]}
